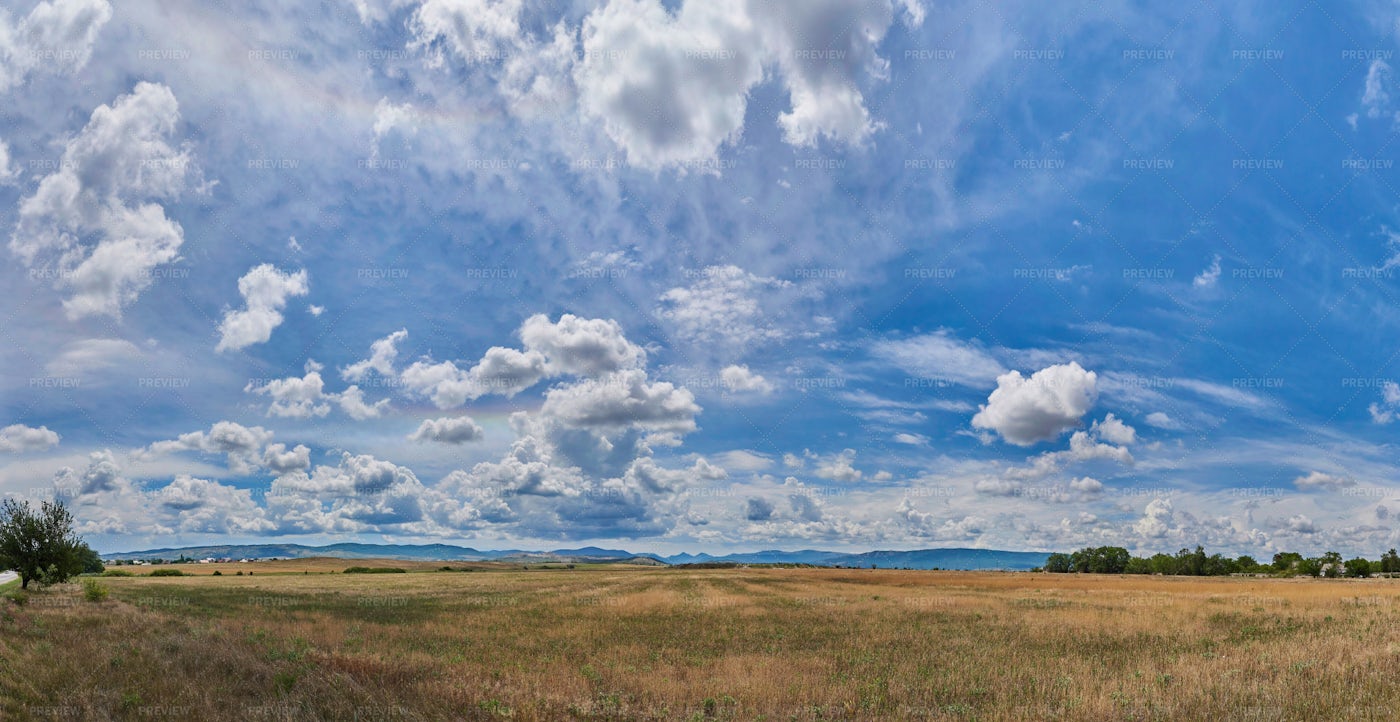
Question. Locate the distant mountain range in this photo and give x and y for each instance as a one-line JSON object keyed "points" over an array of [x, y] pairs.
{"points": [[968, 559]]}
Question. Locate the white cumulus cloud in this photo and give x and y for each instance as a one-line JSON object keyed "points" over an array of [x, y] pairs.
{"points": [[18, 438], [1028, 410], [92, 223], [265, 291]]}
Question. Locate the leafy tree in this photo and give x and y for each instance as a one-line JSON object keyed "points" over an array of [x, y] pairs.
{"points": [[1358, 567], [92, 562], [1100, 560], [1058, 563], [1332, 564], [1390, 561], [39, 545], [1218, 566], [1191, 564], [1138, 565], [1164, 564], [1311, 566], [1246, 565], [1285, 561]]}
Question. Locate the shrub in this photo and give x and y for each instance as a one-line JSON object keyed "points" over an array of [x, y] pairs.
{"points": [[375, 570], [117, 573], [166, 573], [19, 597], [93, 591], [218, 573]]}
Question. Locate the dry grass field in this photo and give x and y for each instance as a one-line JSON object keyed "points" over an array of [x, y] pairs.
{"points": [[774, 644]]}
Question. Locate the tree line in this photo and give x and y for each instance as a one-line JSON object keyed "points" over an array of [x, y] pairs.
{"points": [[1117, 560]]}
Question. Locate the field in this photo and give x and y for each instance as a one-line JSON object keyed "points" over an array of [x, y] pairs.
{"points": [[645, 643]]}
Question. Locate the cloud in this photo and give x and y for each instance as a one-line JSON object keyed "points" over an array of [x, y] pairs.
{"points": [[91, 223], [928, 525], [1086, 485], [280, 461], [572, 346], [740, 379], [940, 356], [352, 402], [720, 307], [668, 89], [293, 397], [240, 444], [1028, 410], [1375, 97], [669, 85], [1162, 421], [201, 506], [265, 291], [376, 11], [672, 88], [86, 356], [382, 354], [1084, 446], [388, 117], [581, 346], [1319, 480], [743, 460], [56, 37], [360, 493], [9, 175], [1113, 430], [805, 507], [448, 430], [1208, 277], [18, 439], [305, 397], [838, 467], [626, 399], [823, 49], [911, 439], [1157, 519], [476, 31], [1383, 412], [758, 509], [102, 474], [1300, 524]]}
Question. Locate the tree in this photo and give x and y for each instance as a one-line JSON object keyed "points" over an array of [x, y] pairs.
{"points": [[1285, 561], [92, 562], [39, 545], [1247, 565], [1390, 562], [1331, 563], [1058, 563], [1358, 567], [1311, 567], [1163, 564], [1191, 564]]}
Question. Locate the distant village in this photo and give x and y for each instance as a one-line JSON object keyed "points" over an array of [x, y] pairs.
{"points": [[182, 559]]}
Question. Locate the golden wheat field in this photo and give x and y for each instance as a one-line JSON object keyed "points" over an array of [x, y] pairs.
{"points": [[688, 644]]}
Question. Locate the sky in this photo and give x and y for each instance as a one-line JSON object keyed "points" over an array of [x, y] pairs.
{"points": [[704, 276]]}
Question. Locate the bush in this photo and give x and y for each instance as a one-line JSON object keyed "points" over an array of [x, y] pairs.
{"points": [[218, 573], [93, 591], [166, 573], [117, 573], [375, 570], [19, 597]]}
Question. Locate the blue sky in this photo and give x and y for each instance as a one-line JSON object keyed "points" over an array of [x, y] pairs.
{"points": [[704, 276]]}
